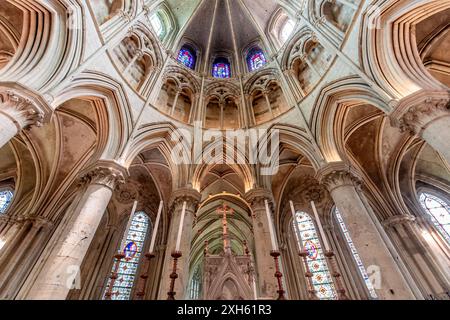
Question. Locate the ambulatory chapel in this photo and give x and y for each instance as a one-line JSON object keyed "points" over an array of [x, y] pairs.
{"points": [[225, 150]]}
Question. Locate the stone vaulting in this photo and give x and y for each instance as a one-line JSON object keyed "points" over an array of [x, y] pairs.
{"points": [[224, 149]]}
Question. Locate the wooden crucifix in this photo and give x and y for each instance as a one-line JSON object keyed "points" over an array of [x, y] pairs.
{"points": [[225, 211]]}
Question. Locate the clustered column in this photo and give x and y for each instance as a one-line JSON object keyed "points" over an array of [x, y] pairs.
{"points": [[192, 198], [367, 238], [69, 249], [431, 269], [265, 267]]}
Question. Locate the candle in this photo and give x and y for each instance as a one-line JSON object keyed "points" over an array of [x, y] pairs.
{"points": [[130, 220], [294, 216], [155, 230], [271, 229], [255, 291], [180, 229], [319, 224]]}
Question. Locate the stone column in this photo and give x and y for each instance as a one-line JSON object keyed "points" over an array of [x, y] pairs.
{"points": [[266, 96], [138, 55], [250, 110], [311, 65], [221, 118], [428, 116], [265, 267], [192, 198], [369, 240], [69, 249], [25, 251], [175, 101], [430, 269], [16, 114], [290, 74]]}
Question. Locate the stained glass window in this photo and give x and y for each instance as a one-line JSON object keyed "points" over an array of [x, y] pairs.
{"points": [[306, 234], [287, 29], [187, 57], [355, 254], [221, 68], [439, 213], [134, 241], [5, 199], [256, 59]]}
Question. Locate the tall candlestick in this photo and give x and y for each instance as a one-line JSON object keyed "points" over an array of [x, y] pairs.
{"points": [[180, 229], [319, 224], [155, 231], [271, 229], [130, 220], [294, 216], [255, 291]]}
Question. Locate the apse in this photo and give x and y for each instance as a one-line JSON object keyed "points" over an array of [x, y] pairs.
{"points": [[133, 161]]}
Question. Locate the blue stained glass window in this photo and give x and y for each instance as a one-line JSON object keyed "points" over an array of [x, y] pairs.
{"points": [[221, 68], [439, 213], [306, 232], [187, 57], [134, 241], [355, 254], [5, 200], [256, 59]]}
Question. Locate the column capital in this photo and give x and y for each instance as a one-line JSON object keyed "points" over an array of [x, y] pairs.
{"points": [[398, 220], [257, 197], [21, 110], [336, 175], [125, 15], [188, 194], [40, 222], [106, 173], [139, 53], [289, 72], [414, 113]]}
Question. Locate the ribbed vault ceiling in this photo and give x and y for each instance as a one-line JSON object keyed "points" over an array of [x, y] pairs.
{"points": [[247, 17]]}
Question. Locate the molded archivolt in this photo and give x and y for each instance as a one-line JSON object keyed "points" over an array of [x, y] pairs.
{"points": [[396, 64], [49, 45], [95, 119], [116, 116], [306, 60], [105, 10], [433, 38], [137, 57], [331, 104]]}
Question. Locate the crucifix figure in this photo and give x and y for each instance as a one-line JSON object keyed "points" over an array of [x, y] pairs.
{"points": [[224, 211]]}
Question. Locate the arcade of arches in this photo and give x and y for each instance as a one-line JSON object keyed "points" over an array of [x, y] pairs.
{"points": [[96, 95]]}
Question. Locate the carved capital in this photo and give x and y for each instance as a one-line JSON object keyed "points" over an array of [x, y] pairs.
{"points": [[337, 175], [146, 9], [299, 14], [190, 195], [125, 15], [23, 112], [40, 222], [106, 175], [398, 220], [413, 114], [257, 197], [139, 53], [319, 22]]}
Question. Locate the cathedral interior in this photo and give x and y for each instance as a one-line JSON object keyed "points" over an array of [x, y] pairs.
{"points": [[339, 189]]}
